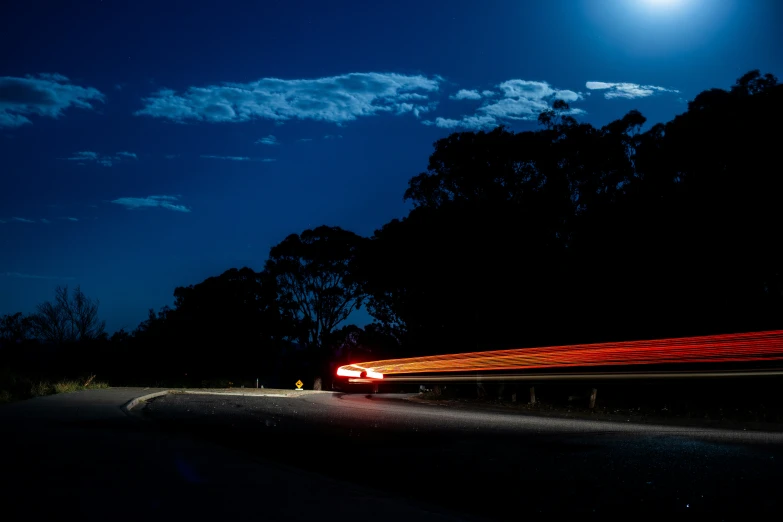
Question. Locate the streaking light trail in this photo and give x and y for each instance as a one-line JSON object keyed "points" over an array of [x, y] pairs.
{"points": [[745, 347]]}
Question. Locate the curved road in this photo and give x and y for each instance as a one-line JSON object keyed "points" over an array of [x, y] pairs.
{"points": [[488, 464], [354, 457]]}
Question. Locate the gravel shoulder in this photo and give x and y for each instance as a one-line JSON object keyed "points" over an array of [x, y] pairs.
{"points": [[619, 415]]}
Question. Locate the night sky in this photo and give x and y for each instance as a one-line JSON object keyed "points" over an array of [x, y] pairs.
{"points": [[150, 144]]}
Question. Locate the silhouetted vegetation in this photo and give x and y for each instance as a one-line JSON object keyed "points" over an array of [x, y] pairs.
{"points": [[569, 233]]}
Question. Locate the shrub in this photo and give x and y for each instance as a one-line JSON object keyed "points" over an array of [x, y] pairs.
{"points": [[41, 388], [67, 386]]}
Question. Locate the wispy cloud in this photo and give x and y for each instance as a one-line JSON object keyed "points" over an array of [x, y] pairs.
{"points": [[71, 219], [45, 221], [22, 220], [520, 100], [237, 158], [465, 94], [269, 140], [333, 136], [46, 95], [167, 202], [334, 99], [304, 140], [229, 158], [627, 90], [481, 121], [20, 275], [86, 156]]}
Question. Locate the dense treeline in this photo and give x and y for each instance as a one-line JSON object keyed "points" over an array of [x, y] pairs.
{"points": [[569, 233], [574, 233]]}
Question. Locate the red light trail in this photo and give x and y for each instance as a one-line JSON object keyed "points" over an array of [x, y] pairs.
{"points": [[726, 348]]}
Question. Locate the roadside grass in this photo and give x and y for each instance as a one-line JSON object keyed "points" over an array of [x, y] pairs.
{"points": [[73, 386], [20, 388]]}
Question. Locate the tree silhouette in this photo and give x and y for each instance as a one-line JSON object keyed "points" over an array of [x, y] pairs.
{"points": [[15, 328], [228, 324], [69, 318], [315, 270]]}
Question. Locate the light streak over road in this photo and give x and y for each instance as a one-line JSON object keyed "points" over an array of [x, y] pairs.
{"points": [[726, 348]]}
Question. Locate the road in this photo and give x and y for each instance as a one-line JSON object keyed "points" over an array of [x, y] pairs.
{"points": [[352, 457], [490, 464], [80, 457]]}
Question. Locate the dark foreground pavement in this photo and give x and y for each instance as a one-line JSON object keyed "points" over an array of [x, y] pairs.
{"points": [[81, 457], [490, 464]]}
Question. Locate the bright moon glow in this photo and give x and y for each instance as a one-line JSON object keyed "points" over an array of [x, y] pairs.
{"points": [[662, 4], [657, 8]]}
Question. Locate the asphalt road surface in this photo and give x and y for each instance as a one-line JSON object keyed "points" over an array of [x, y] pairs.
{"points": [[352, 457], [491, 465], [80, 457]]}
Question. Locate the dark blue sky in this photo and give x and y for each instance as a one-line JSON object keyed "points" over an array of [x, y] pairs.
{"points": [[156, 143]]}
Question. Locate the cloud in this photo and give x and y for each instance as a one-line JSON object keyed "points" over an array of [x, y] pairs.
{"points": [[629, 91], [568, 96], [45, 95], [487, 94], [333, 136], [167, 202], [413, 96], [237, 158], [230, 158], [45, 221], [470, 122], [335, 99], [19, 275], [22, 220], [465, 94], [269, 140], [72, 219], [521, 100], [86, 156], [171, 156], [304, 140]]}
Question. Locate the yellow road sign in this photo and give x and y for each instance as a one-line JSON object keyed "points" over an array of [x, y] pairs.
{"points": [[299, 384]]}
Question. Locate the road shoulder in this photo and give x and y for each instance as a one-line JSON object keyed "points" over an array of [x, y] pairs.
{"points": [[624, 416]]}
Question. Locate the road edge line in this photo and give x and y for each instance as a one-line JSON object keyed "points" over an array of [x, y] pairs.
{"points": [[128, 406]]}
